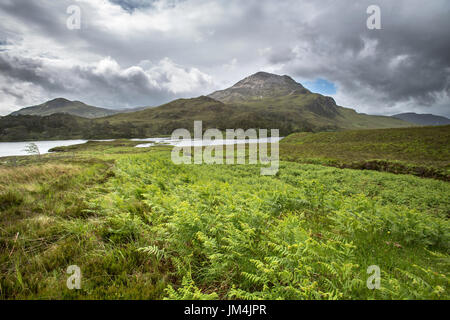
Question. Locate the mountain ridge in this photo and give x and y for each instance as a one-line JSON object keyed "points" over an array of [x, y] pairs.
{"points": [[424, 119], [260, 101], [75, 108]]}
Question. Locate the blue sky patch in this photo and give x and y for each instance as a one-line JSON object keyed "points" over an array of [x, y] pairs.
{"points": [[131, 5], [321, 86]]}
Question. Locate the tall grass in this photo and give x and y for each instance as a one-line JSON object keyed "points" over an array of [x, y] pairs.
{"points": [[310, 233]]}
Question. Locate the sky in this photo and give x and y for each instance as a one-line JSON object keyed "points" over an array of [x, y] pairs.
{"points": [[129, 53]]}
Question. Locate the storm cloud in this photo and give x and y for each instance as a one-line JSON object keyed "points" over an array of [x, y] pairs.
{"points": [[148, 52]]}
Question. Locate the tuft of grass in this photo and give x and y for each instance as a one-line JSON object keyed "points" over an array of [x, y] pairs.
{"points": [[10, 198]]}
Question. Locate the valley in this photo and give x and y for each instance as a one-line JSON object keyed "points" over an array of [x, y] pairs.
{"points": [[352, 191]]}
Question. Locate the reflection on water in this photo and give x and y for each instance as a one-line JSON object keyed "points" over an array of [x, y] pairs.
{"points": [[202, 143], [17, 148]]}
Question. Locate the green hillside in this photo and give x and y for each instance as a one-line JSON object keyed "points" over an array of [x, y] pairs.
{"points": [[315, 112], [423, 151], [179, 113], [291, 113], [60, 126]]}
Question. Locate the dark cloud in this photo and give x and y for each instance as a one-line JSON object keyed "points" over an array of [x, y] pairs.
{"points": [[38, 16], [29, 70], [406, 61], [105, 83], [160, 45]]}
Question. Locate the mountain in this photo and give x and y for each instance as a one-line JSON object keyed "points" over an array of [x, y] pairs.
{"points": [[294, 108], [261, 101], [259, 86], [61, 105], [423, 119]]}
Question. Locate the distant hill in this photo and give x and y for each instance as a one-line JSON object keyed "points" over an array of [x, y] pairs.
{"points": [[61, 105], [423, 119]]}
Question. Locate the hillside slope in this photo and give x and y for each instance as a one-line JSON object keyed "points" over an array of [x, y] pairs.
{"points": [[422, 151], [61, 126]]}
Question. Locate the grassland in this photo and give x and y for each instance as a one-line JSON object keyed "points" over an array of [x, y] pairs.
{"points": [[140, 227], [422, 151]]}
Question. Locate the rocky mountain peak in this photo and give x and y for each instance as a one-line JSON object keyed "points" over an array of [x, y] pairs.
{"points": [[259, 85], [267, 80]]}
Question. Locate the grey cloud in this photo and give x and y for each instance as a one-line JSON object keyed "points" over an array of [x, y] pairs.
{"points": [[105, 83], [29, 70], [409, 58], [404, 65], [37, 15]]}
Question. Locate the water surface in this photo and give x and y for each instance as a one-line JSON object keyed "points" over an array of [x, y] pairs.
{"points": [[17, 148]]}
